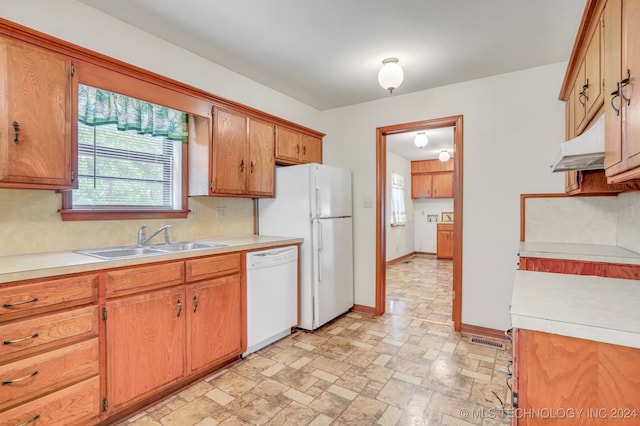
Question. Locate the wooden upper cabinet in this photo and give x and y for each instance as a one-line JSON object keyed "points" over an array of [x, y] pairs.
{"points": [[621, 71], [432, 179], [288, 144], [421, 185], [442, 185], [262, 163], [293, 147], [243, 162], [36, 144], [311, 149], [230, 152]]}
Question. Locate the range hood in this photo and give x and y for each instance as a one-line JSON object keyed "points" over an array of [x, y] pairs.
{"points": [[585, 152]]}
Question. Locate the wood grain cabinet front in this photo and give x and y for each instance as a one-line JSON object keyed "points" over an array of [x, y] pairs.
{"points": [[76, 405], [444, 241], [145, 345], [555, 373], [36, 148], [214, 321], [21, 299], [38, 375], [294, 147]]}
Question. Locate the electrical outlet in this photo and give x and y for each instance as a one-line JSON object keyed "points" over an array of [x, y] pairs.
{"points": [[367, 202], [221, 212]]}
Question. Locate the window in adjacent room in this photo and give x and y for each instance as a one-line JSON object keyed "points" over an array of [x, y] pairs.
{"points": [[130, 157], [398, 211]]}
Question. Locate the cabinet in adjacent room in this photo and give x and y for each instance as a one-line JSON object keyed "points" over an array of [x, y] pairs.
{"points": [[444, 241], [37, 148], [432, 179]]}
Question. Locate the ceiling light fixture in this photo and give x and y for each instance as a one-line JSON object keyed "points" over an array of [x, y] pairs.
{"points": [[444, 155], [390, 75], [421, 140]]}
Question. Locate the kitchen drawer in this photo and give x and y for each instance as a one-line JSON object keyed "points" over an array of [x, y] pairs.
{"points": [[43, 332], [214, 266], [20, 300], [37, 375], [74, 405], [143, 278]]}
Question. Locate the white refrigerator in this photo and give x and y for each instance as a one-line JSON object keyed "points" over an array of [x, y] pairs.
{"points": [[313, 201]]}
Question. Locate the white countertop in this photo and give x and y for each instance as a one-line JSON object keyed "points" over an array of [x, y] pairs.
{"points": [[38, 265], [586, 307], [585, 252]]}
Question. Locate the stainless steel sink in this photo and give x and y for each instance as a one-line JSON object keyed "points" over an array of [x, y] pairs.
{"points": [[156, 249], [185, 246]]}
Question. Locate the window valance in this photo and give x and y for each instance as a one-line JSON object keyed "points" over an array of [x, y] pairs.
{"points": [[97, 106]]}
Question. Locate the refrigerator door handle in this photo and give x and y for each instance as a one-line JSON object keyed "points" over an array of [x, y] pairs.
{"points": [[319, 251], [318, 213]]}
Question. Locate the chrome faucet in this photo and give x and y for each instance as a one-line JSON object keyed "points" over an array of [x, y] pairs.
{"points": [[142, 234]]}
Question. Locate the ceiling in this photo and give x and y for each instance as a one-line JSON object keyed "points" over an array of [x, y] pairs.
{"points": [[327, 53], [402, 144]]}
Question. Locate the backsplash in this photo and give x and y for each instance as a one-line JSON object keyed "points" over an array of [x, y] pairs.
{"points": [[629, 220], [579, 220], [29, 222]]}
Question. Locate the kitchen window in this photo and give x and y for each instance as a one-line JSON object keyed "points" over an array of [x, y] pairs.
{"points": [[398, 211], [131, 157]]}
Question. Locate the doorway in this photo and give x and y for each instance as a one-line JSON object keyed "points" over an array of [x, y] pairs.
{"points": [[381, 178]]}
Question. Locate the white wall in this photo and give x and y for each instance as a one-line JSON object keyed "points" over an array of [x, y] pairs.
{"points": [[400, 239], [513, 124], [425, 231]]}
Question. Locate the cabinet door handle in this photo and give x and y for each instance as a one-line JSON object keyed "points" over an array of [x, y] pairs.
{"points": [[251, 166], [581, 95], [16, 129], [11, 305], [624, 83], [584, 90], [10, 342], [304, 150], [31, 420], [615, 94], [179, 305], [195, 303], [298, 149], [9, 382], [242, 165]]}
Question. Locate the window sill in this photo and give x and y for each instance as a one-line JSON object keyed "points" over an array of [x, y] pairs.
{"points": [[74, 215]]}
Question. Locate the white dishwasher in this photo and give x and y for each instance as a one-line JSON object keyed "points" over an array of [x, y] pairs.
{"points": [[272, 296]]}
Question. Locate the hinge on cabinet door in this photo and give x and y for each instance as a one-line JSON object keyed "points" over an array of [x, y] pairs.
{"points": [[73, 175], [212, 186], [73, 69], [514, 399], [104, 314], [453, 295], [105, 405]]}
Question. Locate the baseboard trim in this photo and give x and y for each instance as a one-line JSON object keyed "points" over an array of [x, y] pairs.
{"points": [[490, 333], [406, 256], [362, 309]]}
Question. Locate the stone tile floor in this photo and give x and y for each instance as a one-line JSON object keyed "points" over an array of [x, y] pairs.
{"points": [[407, 367]]}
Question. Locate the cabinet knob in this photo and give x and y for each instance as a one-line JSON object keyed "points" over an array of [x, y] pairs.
{"points": [[179, 305]]}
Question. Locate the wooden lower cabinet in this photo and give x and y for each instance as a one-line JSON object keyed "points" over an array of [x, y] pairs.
{"points": [[144, 332], [76, 405], [214, 321], [50, 351], [598, 382], [444, 241], [580, 267], [159, 340]]}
